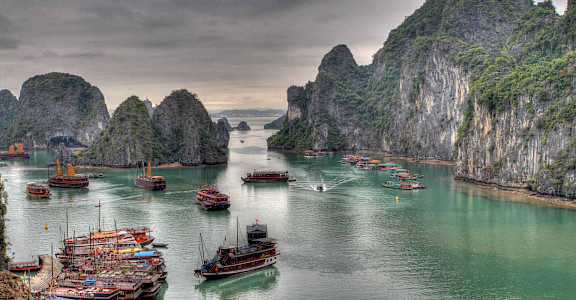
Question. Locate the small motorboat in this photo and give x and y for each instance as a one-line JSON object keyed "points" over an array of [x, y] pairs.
{"points": [[96, 175], [241, 141], [159, 245], [320, 188]]}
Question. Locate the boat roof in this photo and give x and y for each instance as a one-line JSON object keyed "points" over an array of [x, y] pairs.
{"points": [[257, 227], [144, 253]]}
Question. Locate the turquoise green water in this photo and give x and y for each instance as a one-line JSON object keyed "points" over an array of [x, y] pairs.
{"points": [[452, 240]]}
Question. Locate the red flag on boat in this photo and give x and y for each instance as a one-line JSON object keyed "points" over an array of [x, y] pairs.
{"points": [[224, 238], [256, 220]]}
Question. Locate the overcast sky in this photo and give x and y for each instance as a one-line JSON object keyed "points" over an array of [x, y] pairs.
{"points": [[232, 53]]}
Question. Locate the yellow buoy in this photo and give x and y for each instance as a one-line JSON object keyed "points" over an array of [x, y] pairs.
{"points": [[46, 227], [396, 198]]}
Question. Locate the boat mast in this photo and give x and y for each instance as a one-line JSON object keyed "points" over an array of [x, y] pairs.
{"points": [[116, 231], [202, 248], [67, 233], [236, 232], [99, 205]]}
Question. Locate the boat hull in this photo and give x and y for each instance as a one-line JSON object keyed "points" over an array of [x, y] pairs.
{"points": [[14, 156], [264, 180], [66, 182], [150, 185], [215, 275], [33, 195], [147, 242], [403, 187]]}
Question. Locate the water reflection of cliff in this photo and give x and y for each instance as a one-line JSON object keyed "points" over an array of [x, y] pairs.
{"points": [[239, 286]]}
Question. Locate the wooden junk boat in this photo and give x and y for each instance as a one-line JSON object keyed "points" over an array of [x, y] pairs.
{"points": [[15, 155], [149, 182], [212, 199], [234, 260], [38, 190], [71, 180], [21, 266], [267, 176]]}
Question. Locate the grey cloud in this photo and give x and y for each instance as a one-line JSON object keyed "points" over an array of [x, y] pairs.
{"points": [[9, 43], [245, 8], [49, 53], [109, 10], [248, 49]]}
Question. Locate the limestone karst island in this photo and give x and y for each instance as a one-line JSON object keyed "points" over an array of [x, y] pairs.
{"points": [[287, 149]]}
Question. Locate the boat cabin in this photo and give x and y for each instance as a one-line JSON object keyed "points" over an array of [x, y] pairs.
{"points": [[256, 231]]}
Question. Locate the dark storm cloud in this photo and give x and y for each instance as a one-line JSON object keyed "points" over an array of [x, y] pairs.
{"points": [[7, 29], [245, 8], [232, 53], [8, 42]]}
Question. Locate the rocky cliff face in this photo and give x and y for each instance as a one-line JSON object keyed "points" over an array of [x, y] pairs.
{"points": [[57, 107], [149, 107], [276, 124], [223, 134], [520, 126], [226, 123], [13, 288], [8, 107], [180, 130], [411, 99], [489, 84], [127, 140], [189, 135], [242, 126]]}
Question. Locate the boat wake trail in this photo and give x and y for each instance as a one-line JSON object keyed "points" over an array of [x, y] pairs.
{"points": [[322, 185]]}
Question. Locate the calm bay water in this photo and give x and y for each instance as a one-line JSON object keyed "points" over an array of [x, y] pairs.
{"points": [[452, 240]]}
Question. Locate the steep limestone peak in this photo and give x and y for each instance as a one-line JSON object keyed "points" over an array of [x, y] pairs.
{"points": [[187, 133], [57, 107], [128, 138], [338, 61], [8, 107], [6, 94]]}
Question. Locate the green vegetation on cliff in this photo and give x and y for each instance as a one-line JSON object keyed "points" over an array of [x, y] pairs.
{"points": [[276, 124], [54, 108], [8, 108], [179, 131], [128, 139]]}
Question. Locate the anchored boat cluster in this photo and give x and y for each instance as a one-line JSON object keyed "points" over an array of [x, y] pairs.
{"points": [[107, 265], [401, 178]]}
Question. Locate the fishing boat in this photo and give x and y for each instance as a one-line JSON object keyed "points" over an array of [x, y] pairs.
{"points": [[38, 190], [403, 185], [320, 188], [22, 266], [149, 182], [212, 199], [236, 260], [267, 176], [388, 166], [11, 154], [71, 180]]}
